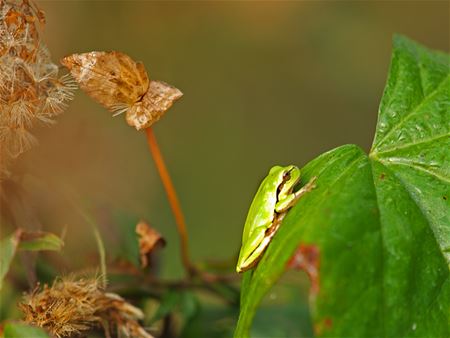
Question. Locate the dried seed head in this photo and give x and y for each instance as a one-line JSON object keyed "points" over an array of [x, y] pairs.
{"points": [[74, 306], [30, 89], [122, 85]]}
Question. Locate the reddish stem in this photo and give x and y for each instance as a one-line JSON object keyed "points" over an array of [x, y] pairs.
{"points": [[173, 199]]}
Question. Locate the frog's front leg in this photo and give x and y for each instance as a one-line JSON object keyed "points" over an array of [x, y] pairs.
{"points": [[291, 199]]}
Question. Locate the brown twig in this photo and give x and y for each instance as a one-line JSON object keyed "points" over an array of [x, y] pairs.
{"points": [[142, 286], [173, 200]]}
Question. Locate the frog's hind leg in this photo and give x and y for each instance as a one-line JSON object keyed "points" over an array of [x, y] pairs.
{"points": [[252, 249], [290, 200]]}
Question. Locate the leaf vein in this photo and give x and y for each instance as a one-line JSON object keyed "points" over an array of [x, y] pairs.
{"points": [[383, 319], [414, 165], [407, 145], [424, 214], [412, 113]]}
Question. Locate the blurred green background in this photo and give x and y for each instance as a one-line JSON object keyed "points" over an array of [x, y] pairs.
{"points": [[264, 83]]}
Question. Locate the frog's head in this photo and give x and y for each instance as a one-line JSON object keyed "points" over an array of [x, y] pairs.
{"points": [[290, 177]]}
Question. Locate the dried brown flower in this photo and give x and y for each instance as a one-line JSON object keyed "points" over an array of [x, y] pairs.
{"points": [[122, 85], [30, 89], [149, 240], [158, 99], [72, 307]]}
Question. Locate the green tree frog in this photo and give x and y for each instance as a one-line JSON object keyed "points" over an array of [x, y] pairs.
{"points": [[273, 199]]}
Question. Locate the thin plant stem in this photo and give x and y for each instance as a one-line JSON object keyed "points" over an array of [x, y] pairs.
{"points": [[102, 254], [173, 199], [98, 240]]}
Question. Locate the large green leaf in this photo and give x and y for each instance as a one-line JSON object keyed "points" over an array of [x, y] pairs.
{"points": [[381, 223]]}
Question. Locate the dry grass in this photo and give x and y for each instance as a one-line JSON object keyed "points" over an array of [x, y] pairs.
{"points": [[71, 307]]}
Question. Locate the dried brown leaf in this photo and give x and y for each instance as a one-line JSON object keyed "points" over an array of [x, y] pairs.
{"points": [[149, 240], [158, 99], [111, 78]]}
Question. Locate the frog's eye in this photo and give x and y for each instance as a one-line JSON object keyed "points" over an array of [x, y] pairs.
{"points": [[288, 173]]}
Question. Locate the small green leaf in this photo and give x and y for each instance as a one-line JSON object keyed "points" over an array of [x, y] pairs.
{"points": [[211, 320], [169, 302], [179, 302], [381, 223], [25, 240], [8, 247], [16, 330], [189, 305], [38, 241]]}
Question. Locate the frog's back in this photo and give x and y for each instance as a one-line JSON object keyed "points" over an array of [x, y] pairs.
{"points": [[262, 209]]}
